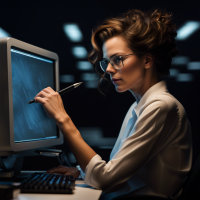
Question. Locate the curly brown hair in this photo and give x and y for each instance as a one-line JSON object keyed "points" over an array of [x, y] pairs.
{"points": [[145, 32]]}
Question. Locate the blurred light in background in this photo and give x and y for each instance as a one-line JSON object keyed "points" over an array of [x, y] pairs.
{"points": [[79, 52], [193, 65], [84, 65], [187, 29], [174, 72], [73, 32], [184, 77], [88, 77], [90, 80], [93, 136], [90, 84], [67, 78], [3, 33], [180, 60]]}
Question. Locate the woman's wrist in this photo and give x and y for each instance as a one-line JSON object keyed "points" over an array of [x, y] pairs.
{"points": [[66, 126], [62, 119]]}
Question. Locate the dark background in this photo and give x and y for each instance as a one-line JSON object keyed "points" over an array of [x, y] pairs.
{"points": [[40, 23]]}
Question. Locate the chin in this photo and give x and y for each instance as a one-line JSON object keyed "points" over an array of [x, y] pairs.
{"points": [[120, 90]]}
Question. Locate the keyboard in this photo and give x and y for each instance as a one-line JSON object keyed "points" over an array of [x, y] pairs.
{"points": [[48, 183]]}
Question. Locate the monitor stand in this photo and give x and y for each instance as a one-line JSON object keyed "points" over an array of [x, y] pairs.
{"points": [[10, 166]]}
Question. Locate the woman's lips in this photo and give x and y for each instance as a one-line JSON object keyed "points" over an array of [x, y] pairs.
{"points": [[115, 80]]}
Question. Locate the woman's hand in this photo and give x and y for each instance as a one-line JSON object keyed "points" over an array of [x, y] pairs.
{"points": [[52, 103], [63, 170]]}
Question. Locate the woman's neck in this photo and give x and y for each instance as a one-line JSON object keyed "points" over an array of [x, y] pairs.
{"points": [[147, 83]]}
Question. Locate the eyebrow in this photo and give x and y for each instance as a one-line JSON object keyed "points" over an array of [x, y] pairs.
{"points": [[115, 55]]}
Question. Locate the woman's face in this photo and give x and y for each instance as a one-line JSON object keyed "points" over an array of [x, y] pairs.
{"points": [[131, 76]]}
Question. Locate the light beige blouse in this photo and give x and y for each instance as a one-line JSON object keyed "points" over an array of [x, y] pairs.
{"points": [[153, 152]]}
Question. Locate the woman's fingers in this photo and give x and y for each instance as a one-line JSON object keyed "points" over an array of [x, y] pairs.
{"points": [[62, 170], [45, 92], [48, 90], [39, 100], [54, 168], [42, 94]]}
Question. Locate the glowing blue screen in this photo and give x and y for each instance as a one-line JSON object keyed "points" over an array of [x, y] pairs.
{"points": [[31, 74]]}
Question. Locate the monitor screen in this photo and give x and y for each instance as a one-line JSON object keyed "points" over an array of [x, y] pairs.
{"points": [[30, 74]]}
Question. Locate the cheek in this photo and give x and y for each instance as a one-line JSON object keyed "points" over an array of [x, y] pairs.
{"points": [[131, 80], [133, 73]]}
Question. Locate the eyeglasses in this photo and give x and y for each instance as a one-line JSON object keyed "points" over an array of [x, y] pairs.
{"points": [[115, 61]]}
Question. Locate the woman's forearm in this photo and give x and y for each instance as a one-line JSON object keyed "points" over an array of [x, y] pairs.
{"points": [[81, 150]]}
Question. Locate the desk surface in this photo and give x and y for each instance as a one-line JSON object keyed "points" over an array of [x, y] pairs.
{"points": [[82, 191]]}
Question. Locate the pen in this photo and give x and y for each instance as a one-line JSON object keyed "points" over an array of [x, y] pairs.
{"points": [[71, 87]]}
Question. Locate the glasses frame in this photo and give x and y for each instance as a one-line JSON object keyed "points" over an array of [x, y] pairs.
{"points": [[108, 61]]}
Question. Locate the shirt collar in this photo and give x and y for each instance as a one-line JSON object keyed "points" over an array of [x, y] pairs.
{"points": [[149, 94]]}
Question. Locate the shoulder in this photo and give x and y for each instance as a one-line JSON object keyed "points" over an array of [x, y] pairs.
{"points": [[163, 103]]}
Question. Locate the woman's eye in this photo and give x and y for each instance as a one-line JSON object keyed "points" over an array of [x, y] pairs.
{"points": [[117, 60]]}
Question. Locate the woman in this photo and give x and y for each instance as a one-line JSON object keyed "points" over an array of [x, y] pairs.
{"points": [[153, 152]]}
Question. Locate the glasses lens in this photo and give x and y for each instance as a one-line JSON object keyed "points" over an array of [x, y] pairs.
{"points": [[117, 62], [103, 65]]}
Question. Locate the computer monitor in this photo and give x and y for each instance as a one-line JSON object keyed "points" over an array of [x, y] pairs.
{"points": [[24, 71]]}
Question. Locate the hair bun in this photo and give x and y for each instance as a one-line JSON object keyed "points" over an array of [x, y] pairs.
{"points": [[161, 16], [162, 22]]}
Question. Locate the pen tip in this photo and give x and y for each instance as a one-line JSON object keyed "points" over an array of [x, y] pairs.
{"points": [[77, 84], [32, 101]]}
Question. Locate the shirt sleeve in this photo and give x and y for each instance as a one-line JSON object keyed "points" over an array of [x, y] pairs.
{"points": [[148, 139], [82, 174]]}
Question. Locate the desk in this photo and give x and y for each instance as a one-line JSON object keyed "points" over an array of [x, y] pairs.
{"points": [[81, 192]]}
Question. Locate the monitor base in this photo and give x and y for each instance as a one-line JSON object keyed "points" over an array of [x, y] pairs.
{"points": [[10, 166]]}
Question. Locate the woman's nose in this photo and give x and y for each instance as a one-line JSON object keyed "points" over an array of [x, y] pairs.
{"points": [[110, 69]]}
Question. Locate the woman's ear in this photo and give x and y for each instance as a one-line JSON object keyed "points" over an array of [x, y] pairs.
{"points": [[149, 59]]}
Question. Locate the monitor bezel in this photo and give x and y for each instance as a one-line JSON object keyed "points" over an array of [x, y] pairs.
{"points": [[13, 43]]}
